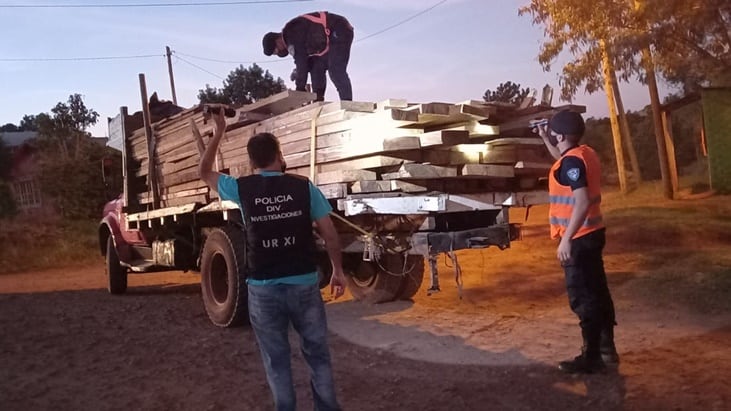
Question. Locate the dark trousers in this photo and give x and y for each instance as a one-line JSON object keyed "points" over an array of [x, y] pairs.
{"points": [[586, 285], [334, 62]]}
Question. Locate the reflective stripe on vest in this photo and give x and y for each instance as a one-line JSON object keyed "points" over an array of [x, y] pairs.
{"points": [[322, 19], [562, 200]]}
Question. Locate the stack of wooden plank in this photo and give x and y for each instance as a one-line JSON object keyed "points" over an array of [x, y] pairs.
{"points": [[352, 147]]}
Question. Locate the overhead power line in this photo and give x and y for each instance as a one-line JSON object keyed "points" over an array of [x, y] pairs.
{"points": [[227, 61], [142, 56], [393, 26], [197, 66], [178, 4]]}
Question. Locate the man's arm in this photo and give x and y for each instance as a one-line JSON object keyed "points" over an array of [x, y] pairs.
{"points": [[205, 168], [543, 132], [327, 231]]}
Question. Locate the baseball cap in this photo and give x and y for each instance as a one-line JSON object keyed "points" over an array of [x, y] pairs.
{"points": [[269, 42], [567, 122]]}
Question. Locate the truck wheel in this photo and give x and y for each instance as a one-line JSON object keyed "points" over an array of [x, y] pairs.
{"points": [[223, 277], [368, 282], [116, 273], [412, 280]]}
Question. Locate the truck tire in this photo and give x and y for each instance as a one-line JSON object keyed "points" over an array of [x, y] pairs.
{"points": [[223, 277], [116, 273], [367, 281], [413, 279]]}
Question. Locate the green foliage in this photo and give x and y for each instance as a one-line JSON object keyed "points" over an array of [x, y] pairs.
{"points": [[40, 241], [507, 93], [29, 123], [5, 160], [243, 86], [686, 124], [7, 204], [212, 95], [63, 132], [690, 39], [81, 191], [10, 127]]}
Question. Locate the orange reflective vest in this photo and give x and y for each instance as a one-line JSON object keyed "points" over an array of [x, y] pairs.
{"points": [[562, 200], [321, 19]]}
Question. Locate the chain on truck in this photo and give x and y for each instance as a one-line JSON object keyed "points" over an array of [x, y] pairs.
{"points": [[390, 233]]}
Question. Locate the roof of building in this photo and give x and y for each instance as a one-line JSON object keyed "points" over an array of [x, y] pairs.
{"points": [[17, 138]]}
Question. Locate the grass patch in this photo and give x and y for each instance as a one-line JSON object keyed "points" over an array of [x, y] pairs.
{"points": [[41, 243]]}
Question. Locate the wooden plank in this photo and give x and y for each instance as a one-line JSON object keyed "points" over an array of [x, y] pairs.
{"points": [[338, 153], [444, 137], [332, 191], [530, 141], [371, 186], [417, 170], [488, 170], [392, 103], [280, 102], [344, 176], [476, 130]]}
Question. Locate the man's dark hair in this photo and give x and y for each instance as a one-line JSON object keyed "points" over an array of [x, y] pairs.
{"points": [[269, 42], [263, 149], [568, 123]]}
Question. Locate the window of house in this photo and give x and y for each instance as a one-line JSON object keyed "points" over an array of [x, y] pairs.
{"points": [[27, 194]]}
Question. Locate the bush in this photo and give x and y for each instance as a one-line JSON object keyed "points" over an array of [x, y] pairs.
{"points": [[39, 242]]}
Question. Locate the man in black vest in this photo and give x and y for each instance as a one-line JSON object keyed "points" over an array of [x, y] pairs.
{"points": [[319, 42], [283, 285]]}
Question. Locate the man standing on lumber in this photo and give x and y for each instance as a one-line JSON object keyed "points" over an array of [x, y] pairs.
{"points": [[283, 286], [576, 221], [319, 42]]}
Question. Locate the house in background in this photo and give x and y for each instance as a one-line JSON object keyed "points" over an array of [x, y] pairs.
{"points": [[23, 174]]}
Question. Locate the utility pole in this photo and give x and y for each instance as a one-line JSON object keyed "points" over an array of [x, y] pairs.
{"points": [[168, 53]]}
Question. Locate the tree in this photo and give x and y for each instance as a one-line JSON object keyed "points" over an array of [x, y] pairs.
{"points": [[5, 160], [69, 162], [508, 92], [575, 26], [212, 95], [28, 123], [63, 132], [243, 86], [10, 127]]}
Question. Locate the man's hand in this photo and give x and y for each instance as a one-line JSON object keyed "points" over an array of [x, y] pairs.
{"points": [[564, 250], [337, 283], [293, 76], [219, 121]]}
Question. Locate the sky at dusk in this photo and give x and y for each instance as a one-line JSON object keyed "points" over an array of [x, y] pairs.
{"points": [[451, 52]]}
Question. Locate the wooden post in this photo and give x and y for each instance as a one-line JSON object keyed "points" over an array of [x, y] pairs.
{"points": [[168, 53], [616, 134], [667, 125], [151, 174], [313, 145], [125, 180]]}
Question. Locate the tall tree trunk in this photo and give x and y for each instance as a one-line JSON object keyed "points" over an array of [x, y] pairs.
{"points": [[608, 69], [626, 134], [662, 151]]}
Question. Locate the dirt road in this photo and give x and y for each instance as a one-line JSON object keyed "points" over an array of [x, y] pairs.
{"points": [[67, 344]]}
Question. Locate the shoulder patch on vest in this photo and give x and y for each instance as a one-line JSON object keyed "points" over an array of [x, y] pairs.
{"points": [[573, 174]]}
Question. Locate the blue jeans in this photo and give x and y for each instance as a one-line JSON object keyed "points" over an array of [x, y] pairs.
{"points": [[271, 309]]}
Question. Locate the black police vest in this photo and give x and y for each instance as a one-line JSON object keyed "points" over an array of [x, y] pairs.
{"points": [[279, 236]]}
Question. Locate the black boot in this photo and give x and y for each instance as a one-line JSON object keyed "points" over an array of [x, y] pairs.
{"points": [[607, 347], [590, 360]]}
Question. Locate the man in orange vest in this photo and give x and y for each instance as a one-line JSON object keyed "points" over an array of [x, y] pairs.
{"points": [[319, 42], [574, 185]]}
